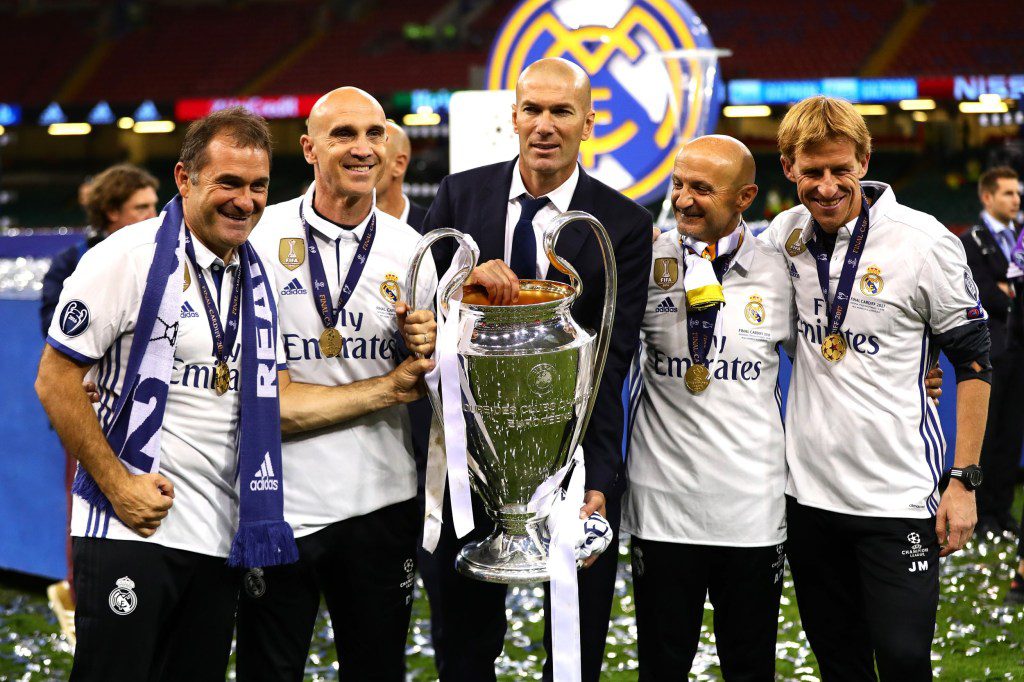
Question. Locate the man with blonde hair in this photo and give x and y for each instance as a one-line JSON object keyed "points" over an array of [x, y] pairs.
{"points": [[880, 289]]}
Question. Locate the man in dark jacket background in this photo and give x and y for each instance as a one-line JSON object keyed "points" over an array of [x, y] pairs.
{"points": [[989, 245]]}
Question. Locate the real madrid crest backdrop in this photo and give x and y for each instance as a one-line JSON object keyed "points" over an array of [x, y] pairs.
{"points": [[638, 92]]}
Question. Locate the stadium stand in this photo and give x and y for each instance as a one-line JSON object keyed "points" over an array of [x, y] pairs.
{"points": [[40, 50], [982, 37], [768, 39]]}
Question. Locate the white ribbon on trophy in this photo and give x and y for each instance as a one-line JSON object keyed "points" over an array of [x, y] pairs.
{"points": [[563, 512], [447, 456]]}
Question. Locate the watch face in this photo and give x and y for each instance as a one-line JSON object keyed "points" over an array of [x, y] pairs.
{"points": [[974, 476]]}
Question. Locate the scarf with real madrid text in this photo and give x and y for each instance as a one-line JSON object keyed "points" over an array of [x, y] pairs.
{"points": [[262, 538]]}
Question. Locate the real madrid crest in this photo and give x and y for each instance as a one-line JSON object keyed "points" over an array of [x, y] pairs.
{"points": [[871, 284], [122, 598], [389, 288], [666, 272], [292, 252], [754, 311], [795, 244], [620, 45], [188, 279]]}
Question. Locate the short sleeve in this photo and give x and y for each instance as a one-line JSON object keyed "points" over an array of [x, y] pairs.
{"points": [[947, 296], [98, 304]]}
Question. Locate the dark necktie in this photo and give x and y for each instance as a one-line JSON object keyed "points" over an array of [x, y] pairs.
{"points": [[524, 241], [1006, 241]]}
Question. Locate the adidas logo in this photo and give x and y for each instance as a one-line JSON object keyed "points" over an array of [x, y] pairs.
{"points": [[666, 306], [188, 311], [792, 272], [293, 287], [264, 478]]}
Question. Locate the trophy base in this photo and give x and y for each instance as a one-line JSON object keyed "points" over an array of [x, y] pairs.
{"points": [[508, 557]]}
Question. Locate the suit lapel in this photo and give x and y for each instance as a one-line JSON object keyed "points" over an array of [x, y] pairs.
{"points": [[489, 233], [990, 248], [573, 236]]}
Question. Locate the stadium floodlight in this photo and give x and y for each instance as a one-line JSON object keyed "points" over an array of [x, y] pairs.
{"points": [[917, 105], [2, 131], [871, 109], [919, 116], [69, 129], [747, 111], [981, 107], [125, 122], [147, 127], [990, 98], [422, 119]]}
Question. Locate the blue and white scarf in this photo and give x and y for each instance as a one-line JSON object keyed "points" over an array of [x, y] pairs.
{"points": [[263, 538]]}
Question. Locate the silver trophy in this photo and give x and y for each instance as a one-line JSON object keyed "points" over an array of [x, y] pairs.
{"points": [[529, 374]]}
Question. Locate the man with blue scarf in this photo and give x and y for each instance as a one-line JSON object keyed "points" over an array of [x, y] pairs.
{"points": [[179, 481]]}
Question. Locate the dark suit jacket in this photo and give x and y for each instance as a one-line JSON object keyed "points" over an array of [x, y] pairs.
{"points": [[988, 267], [476, 202], [416, 215]]}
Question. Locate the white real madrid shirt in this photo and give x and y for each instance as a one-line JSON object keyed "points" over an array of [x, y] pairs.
{"points": [[862, 437], [198, 446], [710, 469], [364, 464], [558, 202]]}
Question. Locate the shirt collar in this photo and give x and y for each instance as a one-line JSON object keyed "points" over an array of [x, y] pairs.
{"points": [[744, 252], [328, 230], [560, 197], [205, 258], [405, 211], [993, 223]]}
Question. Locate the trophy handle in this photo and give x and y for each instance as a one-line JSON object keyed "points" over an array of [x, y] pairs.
{"points": [[611, 286], [423, 248]]}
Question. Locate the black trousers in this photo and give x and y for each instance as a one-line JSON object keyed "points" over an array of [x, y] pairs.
{"points": [[867, 589], [365, 567], [670, 583], [1004, 435], [467, 616], [148, 612]]}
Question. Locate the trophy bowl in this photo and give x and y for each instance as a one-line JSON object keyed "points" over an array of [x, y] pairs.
{"points": [[529, 375]]}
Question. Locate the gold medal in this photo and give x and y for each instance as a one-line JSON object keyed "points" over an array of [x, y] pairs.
{"points": [[221, 378], [833, 348], [697, 378], [330, 342]]}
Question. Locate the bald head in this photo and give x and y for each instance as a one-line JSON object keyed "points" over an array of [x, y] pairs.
{"points": [[727, 153], [398, 152], [340, 103], [398, 141], [552, 116], [345, 143], [712, 184], [555, 70]]}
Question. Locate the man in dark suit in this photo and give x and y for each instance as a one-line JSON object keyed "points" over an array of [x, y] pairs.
{"points": [[505, 208], [988, 245]]}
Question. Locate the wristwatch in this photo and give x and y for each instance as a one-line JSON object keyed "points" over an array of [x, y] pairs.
{"points": [[970, 476]]}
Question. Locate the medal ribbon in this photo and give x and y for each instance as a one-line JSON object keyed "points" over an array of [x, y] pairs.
{"points": [[322, 298], [835, 311], [701, 322], [222, 343]]}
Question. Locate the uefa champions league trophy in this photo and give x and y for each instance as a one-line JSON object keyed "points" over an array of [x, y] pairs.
{"points": [[529, 375]]}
